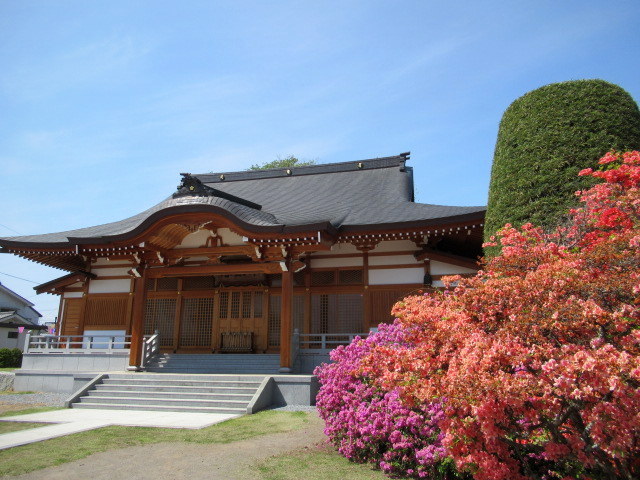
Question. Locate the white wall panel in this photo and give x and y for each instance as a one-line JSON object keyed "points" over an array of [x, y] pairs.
{"points": [[73, 295], [440, 268], [336, 262], [339, 248], [195, 240], [109, 286], [394, 260], [111, 272], [395, 246], [396, 276]]}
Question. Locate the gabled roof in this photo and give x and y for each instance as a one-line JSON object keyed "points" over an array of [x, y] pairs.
{"points": [[362, 195], [11, 319], [16, 297]]}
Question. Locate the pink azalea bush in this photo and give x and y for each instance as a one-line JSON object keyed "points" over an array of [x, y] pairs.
{"points": [[368, 424], [537, 356]]}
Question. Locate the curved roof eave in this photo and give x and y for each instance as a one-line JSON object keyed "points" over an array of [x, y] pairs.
{"points": [[455, 219], [14, 242]]}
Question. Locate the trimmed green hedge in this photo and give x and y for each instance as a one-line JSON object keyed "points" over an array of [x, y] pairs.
{"points": [[10, 358], [545, 138]]}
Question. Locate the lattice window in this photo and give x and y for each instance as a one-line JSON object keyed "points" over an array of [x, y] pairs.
{"points": [[323, 277], [167, 284], [257, 304], [199, 283], [320, 313], [150, 284], [298, 278], [273, 322], [223, 308], [197, 318], [106, 311], [235, 305], [160, 314], [350, 277], [349, 315], [337, 313], [246, 305], [298, 312]]}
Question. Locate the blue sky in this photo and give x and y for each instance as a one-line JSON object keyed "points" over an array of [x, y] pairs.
{"points": [[104, 103]]}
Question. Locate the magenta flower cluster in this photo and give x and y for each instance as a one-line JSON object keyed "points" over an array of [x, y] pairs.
{"points": [[370, 425]]}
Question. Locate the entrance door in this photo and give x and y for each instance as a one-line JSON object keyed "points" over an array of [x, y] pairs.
{"points": [[196, 323], [242, 310]]}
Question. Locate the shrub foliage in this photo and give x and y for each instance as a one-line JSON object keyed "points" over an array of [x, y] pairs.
{"points": [[545, 138], [536, 360], [10, 358]]}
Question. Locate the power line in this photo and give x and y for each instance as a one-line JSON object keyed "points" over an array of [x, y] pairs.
{"points": [[9, 228], [19, 278]]}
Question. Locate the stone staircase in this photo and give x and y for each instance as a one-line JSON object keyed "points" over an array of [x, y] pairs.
{"points": [[232, 363], [172, 393]]}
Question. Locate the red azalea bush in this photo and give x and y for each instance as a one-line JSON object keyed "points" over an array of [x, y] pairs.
{"points": [[538, 356], [368, 424]]}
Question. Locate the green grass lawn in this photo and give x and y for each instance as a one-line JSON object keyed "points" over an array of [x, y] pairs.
{"points": [[11, 392], [11, 413], [8, 427], [27, 458], [317, 463], [8, 369]]}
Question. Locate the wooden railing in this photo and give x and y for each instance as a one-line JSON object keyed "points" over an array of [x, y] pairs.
{"points": [[322, 342], [76, 343], [150, 347], [236, 342]]}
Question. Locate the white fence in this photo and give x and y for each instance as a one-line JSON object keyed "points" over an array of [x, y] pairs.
{"points": [[323, 342], [76, 343]]}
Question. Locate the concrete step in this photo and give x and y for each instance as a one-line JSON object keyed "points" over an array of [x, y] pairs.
{"points": [[198, 377], [164, 402], [175, 388], [206, 370], [244, 397], [182, 383], [133, 406], [173, 392]]}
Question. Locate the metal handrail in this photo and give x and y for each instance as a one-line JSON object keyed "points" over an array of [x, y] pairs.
{"points": [[150, 347], [76, 343]]}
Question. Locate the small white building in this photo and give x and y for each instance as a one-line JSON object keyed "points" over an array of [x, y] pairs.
{"points": [[17, 317]]}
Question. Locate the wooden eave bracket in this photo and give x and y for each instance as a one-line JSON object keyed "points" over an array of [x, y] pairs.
{"points": [[427, 253], [56, 286]]}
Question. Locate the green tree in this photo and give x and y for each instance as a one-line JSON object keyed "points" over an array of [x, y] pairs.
{"points": [[545, 138], [286, 162]]}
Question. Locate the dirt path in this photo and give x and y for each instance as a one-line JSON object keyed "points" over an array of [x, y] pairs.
{"points": [[188, 461]]}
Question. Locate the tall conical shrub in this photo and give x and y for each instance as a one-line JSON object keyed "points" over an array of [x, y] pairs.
{"points": [[545, 138]]}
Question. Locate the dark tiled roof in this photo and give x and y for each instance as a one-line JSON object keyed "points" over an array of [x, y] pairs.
{"points": [[364, 194]]}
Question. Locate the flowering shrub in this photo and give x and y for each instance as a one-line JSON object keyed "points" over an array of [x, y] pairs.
{"points": [[368, 424], [538, 356]]}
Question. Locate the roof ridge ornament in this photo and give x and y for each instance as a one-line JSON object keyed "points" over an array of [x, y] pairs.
{"points": [[192, 186]]}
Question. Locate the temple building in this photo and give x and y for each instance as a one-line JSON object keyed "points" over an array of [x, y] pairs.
{"points": [[257, 262]]}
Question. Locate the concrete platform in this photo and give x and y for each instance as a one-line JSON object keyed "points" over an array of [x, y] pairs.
{"points": [[68, 421]]}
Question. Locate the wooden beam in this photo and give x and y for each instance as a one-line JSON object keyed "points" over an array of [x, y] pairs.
{"points": [[248, 250], [222, 269]]}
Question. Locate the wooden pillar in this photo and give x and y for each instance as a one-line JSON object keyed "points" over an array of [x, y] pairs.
{"points": [[137, 320], [286, 321], [366, 295]]}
